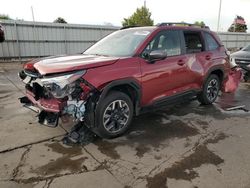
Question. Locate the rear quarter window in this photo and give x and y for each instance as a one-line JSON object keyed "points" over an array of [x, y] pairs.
{"points": [[193, 42], [211, 42]]}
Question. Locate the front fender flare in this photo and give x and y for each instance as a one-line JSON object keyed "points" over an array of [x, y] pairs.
{"points": [[127, 81]]}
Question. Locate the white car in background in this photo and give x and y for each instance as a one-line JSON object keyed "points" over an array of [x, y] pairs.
{"points": [[241, 58]]}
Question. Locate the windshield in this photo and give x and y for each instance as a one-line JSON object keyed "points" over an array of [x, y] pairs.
{"points": [[121, 43], [247, 48]]}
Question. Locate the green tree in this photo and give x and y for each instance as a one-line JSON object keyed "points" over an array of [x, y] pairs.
{"points": [[238, 25], [4, 17], [60, 20], [200, 23], [141, 17]]}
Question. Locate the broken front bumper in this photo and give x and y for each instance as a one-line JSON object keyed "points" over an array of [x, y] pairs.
{"points": [[49, 109], [49, 105], [51, 102]]}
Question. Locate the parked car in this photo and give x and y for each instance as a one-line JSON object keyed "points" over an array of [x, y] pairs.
{"points": [[125, 74], [2, 38], [242, 59]]}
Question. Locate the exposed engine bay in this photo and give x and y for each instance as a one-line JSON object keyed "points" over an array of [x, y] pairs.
{"points": [[56, 95]]}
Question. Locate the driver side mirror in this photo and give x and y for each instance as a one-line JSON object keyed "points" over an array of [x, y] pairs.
{"points": [[156, 55]]}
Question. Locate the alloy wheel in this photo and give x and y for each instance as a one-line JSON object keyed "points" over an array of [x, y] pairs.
{"points": [[116, 116], [212, 89]]}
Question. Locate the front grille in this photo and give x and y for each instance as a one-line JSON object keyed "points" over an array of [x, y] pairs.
{"points": [[242, 61], [38, 91]]}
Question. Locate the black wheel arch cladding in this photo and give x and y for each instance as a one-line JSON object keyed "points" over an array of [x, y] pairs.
{"points": [[217, 70], [120, 85]]}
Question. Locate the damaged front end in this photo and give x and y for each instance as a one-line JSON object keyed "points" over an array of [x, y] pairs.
{"points": [[56, 96]]}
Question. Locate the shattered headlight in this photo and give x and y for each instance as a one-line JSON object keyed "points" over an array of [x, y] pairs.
{"points": [[61, 86]]}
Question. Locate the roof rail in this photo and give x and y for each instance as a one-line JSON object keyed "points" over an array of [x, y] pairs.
{"points": [[130, 26], [180, 24]]}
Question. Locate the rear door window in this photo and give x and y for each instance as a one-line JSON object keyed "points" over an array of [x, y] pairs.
{"points": [[211, 42], [193, 42]]}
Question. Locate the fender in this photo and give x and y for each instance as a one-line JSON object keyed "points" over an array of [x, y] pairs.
{"points": [[126, 81], [214, 68], [94, 101]]}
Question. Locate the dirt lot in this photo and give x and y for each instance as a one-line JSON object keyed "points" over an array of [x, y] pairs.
{"points": [[186, 146]]}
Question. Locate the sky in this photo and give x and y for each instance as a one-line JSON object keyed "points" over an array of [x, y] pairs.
{"points": [[99, 12]]}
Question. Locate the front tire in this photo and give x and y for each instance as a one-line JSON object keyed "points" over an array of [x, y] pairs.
{"points": [[210, 90], [114, 115]]}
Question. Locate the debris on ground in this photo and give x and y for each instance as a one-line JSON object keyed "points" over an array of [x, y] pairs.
{"points": [[240, 107], [79, 134]]}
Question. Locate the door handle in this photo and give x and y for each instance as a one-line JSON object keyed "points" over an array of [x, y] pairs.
{"points": [[181, 62], [207, 57]]}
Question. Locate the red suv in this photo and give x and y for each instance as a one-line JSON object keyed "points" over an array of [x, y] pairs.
{"points": [[126, 73]]}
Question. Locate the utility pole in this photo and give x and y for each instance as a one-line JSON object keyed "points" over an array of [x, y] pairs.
{"points": [[218, 22], [32, 12], [145, 4], [235, 23]]}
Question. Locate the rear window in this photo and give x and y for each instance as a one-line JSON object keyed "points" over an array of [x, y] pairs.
{"points": [[193, 42], [211, 42]]}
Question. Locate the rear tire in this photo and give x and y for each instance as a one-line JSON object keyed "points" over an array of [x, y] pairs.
{"points": [[114, 115], [210, 90]]}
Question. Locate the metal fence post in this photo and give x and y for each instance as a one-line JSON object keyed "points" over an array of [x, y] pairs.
{"points": [[237, 41], [17, 42], [227, 43], [245, 41], [101, 35], [8, 47], [65, 39]]}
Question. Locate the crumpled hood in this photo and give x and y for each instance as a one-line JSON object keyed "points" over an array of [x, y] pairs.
{"points": [[59, 64], [241, 54]]}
